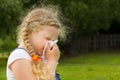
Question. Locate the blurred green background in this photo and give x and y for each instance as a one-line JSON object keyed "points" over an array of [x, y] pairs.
{"points": [[90, 52], [84, 17]]}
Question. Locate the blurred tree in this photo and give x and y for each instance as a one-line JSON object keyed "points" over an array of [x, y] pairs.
{"points": [[88, 16], [115, 9], [85, 17], [115, 12], [10, 11]]}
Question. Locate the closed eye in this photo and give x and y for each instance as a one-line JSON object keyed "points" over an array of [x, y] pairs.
{"points": [[48, 38]]}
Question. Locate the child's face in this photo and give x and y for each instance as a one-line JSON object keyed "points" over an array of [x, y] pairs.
{"points": [[39, 39]]}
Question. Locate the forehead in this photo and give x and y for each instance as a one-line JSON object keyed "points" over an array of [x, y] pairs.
{"points": [[50, 31]]}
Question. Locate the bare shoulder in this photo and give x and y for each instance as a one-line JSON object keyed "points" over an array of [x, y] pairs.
{"points": [[22, 69]]}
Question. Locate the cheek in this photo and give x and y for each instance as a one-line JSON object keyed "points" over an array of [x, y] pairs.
{"points": [[38, 45]]}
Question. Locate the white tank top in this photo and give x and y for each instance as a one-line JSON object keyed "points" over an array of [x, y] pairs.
{"points": [[18, 53]]}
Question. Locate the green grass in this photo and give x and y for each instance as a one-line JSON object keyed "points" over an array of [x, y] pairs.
{"points": [[104, 65], [3, 68], [91, 66]]}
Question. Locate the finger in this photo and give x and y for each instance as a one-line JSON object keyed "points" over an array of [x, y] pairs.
{"points": [[53, 46]]}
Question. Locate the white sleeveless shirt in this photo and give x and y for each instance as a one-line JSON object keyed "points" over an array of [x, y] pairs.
{"points": [[18, 53]]}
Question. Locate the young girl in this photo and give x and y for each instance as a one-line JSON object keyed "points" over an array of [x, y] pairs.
{"points": [[34, 59]]}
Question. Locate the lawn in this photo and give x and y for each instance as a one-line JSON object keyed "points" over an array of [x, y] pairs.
{"points": [[103, 65], [3, 68]]}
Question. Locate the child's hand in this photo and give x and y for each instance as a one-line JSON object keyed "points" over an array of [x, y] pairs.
{"points": [[52, 55]]}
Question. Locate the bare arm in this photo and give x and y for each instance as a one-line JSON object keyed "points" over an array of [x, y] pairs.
{"points": [[22, 69]]}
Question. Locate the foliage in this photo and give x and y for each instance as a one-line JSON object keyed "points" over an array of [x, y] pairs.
{"points": [[8, 44], [85, 17], [11, 10], [88, 17]]}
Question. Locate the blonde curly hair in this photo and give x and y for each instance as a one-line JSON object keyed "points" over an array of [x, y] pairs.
{"points": [[33, 22]]}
